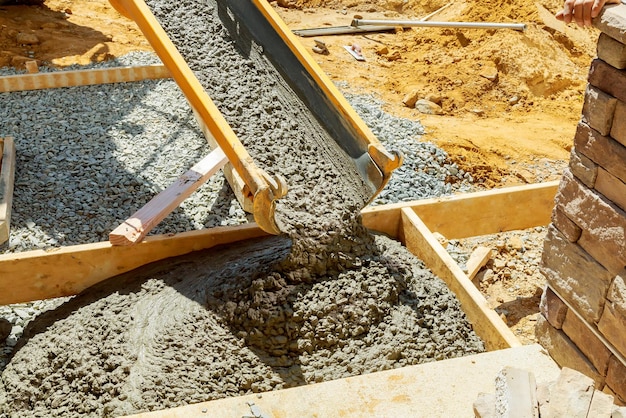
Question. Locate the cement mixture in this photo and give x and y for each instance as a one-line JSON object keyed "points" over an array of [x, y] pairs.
{"points": [[330, 302]]}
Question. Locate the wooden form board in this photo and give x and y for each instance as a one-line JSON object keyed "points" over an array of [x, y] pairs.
{"points": [[487, 324], [135, 228], [7, 177], [59, 79], [439, 389], [68, 270], [472, 214]]}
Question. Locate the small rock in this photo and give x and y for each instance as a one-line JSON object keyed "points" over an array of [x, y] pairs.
{"points": [[383, 50], [393, 56], [490, 73], [514, 100], [27, 38], [5, 329], [411, 98], [427, 107], [516, 243], [435, 98]]}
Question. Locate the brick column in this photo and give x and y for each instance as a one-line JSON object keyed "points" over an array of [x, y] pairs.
{"points": [[583, 309]]}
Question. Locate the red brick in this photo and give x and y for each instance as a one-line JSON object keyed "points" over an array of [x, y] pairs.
{"points": [[608, 79], [611, 187], [613, 321], [598, 110], [587, 342], [552, 308], [616, 378], [611, 51], [565, 225], [575, 275], [583, 168], [564, 351], [603, 224], [618, 127], [602, 150]]}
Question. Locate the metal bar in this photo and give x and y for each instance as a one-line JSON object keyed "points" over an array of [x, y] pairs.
{"points": [[340, 30], [421, 23]]}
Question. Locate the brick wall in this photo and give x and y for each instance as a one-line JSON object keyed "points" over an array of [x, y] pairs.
{"points": [[583, 309]]}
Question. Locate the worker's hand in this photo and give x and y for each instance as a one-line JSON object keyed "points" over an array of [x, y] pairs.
{"points": [[582, 11]]}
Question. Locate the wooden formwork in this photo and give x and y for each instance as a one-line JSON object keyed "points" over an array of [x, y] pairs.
{"points": [[43, 274], [65, 271]]}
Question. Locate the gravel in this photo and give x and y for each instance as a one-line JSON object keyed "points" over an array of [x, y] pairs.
{"points": [[90, 156]]}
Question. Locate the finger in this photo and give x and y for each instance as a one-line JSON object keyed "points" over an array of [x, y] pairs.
{"points": [[597, 7], [579, 13], [567, 11], [559, 16], [587, 13]]}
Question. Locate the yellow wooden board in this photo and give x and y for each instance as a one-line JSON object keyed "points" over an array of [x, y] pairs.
{"points": [[486, 323], [472, 214], [66, 271], [59, 79], [440, 389]]}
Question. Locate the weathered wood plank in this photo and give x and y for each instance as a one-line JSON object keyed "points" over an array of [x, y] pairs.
{"points": [[487, 324], [58, 79], [7, 177], [67, 271], [135, 228]]}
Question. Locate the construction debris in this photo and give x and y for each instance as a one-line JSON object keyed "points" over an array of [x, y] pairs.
{"points": [[572, 395], [320, 47]]}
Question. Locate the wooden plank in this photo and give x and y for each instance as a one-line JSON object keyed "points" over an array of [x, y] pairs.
{"points": [[473, 214], [238, 186], [73, 78], [66, 271], [7, 177], [479, 257], [134, 229], [445, 388], [487, 324]]}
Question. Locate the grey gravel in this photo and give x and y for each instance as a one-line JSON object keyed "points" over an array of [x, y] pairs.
{"points": [[87, 157]]}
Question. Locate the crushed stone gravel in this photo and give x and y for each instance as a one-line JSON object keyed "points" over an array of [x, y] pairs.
{"points": [[89, 156]]}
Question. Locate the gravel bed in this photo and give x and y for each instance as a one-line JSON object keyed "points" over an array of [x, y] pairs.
{"points": [[90, 156], [87, 157]]}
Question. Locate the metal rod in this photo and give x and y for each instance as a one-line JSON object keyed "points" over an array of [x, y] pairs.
{"points": [[421, 23]]}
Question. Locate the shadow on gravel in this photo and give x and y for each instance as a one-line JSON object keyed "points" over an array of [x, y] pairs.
{"points": [[89, 157]]}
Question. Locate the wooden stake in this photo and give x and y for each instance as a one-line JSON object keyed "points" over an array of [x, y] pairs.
{"points": [[480, 256], [485, 321], [134, 229], [60, 79], [7, 177]]}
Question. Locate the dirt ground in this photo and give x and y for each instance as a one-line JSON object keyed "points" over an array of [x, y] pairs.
{"points": [[509, 100]]}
